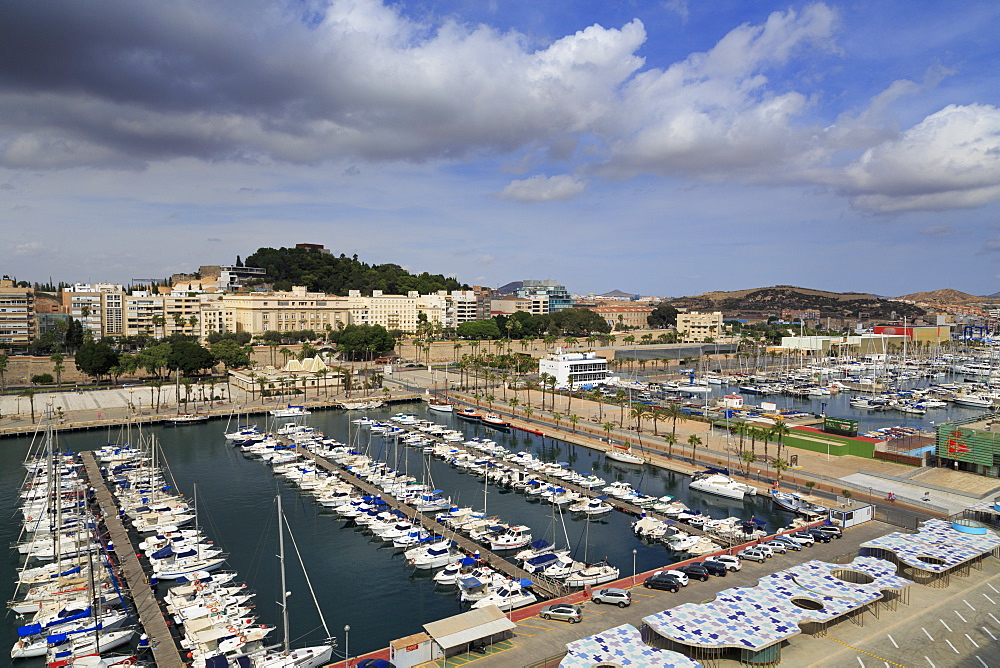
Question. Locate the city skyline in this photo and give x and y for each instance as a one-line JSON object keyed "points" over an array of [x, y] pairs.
{"points": [[666, 148]]}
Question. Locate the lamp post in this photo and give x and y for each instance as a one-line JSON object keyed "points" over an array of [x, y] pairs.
{"points": [[633, 566], [347, 645]]}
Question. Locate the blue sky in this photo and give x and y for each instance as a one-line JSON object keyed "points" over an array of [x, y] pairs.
{"points": [[663, 148]]}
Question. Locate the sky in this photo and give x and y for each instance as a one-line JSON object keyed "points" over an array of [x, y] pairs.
{"points": [[662, 148]]}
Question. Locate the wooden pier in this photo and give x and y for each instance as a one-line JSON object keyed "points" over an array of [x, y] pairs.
{"points": [[165, 650]]}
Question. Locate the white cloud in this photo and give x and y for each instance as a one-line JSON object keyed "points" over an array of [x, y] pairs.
{"points": [[29, 248], [679, 7], [541, 188], [949, 160], [714, 113]]}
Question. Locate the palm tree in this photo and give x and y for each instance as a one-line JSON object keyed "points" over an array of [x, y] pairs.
{"points": [[638, 411], [779, 431], [747, 458], [557, 417], [574, 419], [252, 377], [513, 404], [780, 466], [162, 322], [694, 442], [608, 428], [30, 394], [528, 412], [670, 439], [621, 398], [655, 414], [489, 399], [286, 353], [58, 367], [673, 412]]}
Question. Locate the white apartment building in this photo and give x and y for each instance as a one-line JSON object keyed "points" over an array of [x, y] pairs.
{"points": [[98, 307], [575, 369], [17, 315]]}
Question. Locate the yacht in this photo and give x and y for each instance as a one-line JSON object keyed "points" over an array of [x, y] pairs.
{"points": [[495, 421], [622, 452], [440, 405], [720, 484], [512, 594]]}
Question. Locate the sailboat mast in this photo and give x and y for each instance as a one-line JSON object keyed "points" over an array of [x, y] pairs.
{"points": [[284, 588]]}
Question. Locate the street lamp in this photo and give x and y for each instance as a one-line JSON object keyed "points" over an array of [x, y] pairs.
{"points": [[633, 566], [347, 645]]}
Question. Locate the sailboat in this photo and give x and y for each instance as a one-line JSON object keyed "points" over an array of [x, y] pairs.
{"points": [[622, 452], [286, 657], [184, 418]]}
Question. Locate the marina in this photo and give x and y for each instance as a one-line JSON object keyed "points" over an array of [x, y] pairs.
{"points": [[347, 565]]}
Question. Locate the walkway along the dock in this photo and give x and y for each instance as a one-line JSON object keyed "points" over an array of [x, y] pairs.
{"points": [[165, 650]]}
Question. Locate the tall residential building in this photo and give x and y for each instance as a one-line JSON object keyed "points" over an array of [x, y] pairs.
{"points": [[18, 327], [535, 304], [558, 297], [98, 307]]}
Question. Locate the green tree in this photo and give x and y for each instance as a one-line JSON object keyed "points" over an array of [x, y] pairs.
{"points": [[574, 420], [363, 342], [513, 404], [42, 379], [662, 316], [30, 395], [189, 357], [778, 432], [780, 466], [57, 366], [4, 361], [95, 358], [747, 458], [230, 354], [694, 441], [671, 440]]}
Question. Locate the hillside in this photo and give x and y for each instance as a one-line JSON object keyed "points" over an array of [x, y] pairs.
{"points": [[336, 275], [946, 296], [774, 299]]}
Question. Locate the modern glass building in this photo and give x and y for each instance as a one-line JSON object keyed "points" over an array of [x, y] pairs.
{"points": [[559, 297]]}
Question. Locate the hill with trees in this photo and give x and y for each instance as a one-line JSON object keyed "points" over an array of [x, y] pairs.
{"points": [[780, 297], [337, 274]]}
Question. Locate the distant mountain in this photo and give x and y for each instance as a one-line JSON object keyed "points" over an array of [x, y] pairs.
{"points": [[945, 296], [510, 288], [775, 299], [618, 294]]}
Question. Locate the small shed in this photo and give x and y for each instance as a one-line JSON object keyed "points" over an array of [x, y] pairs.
{"points": [[852, 513], [411, 650], [458, 634]]}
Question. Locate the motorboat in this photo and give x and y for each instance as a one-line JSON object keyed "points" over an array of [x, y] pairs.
{"points": [[289, 411], [594, 574], [796, 504], [512, 594], [596, 506], [469, 414], [720, 484], [514, 537], [186, 418], [495, 421]]}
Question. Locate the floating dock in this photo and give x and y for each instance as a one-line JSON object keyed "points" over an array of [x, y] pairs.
{"points": [[165, 650]]}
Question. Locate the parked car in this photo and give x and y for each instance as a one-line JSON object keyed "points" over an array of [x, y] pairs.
{"points": [[715, 568], [680, 576], [373, 663], [820, 536], [788, 543], [753, 554], [695, 571], [613, 595], [663, 581], [766, 549], [564, 612], [832, 529], [727, 560], [802, 538], [777, 546]]}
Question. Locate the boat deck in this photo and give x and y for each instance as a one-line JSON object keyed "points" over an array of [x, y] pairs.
{"points": [[165, 650]]}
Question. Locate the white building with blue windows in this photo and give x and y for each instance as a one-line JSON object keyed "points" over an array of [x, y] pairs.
{"points": [[576, 370]]}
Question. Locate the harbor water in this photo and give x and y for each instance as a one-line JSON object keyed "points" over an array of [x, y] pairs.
{"points": [[360, 582]]}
